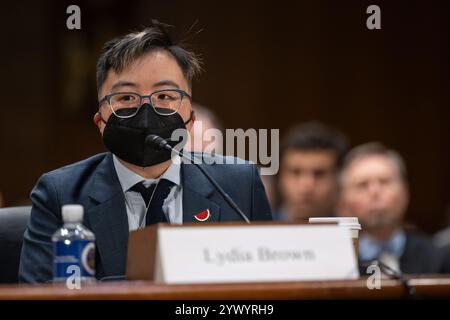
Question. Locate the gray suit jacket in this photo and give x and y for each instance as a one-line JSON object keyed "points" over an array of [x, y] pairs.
{"points": [[93, 183]]}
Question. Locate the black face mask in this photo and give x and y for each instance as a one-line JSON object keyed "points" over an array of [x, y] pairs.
{"points": [[125, 137]]}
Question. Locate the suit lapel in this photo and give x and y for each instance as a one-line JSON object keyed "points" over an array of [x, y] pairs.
{"points": [[107, 218], [196, 193]]}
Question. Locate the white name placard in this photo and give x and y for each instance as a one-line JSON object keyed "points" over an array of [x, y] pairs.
{"points": [[254, 254]]}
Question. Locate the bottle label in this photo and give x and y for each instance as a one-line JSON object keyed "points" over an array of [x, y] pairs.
{"points": [[78, 253]]}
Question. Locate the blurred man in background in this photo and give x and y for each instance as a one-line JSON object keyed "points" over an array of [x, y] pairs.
{"points": [[311, 156], [374, 188], [199, 140]]}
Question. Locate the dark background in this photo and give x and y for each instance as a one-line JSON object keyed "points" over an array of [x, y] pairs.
{"points": [[287, 62]]}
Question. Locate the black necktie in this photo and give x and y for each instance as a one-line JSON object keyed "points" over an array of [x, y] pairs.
{"points": [[155, 213]]}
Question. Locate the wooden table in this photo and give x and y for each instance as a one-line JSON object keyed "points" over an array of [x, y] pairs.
{"points": [[425, 287]]}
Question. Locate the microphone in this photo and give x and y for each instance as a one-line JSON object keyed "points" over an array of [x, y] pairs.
{"points": [[163, 144]]}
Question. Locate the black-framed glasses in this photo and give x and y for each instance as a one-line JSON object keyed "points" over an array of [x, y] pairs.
{"points": [[127, 104]]}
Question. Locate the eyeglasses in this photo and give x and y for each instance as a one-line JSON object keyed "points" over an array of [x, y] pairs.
{"points": [[127, 104]]}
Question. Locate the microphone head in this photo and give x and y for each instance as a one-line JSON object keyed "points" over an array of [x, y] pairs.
{"points": [[158, 141]]}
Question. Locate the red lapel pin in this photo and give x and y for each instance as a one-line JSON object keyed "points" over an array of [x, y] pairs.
{"points": [[203, 215]]}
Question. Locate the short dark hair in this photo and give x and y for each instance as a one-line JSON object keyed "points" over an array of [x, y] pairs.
{"points": [[377, 149], [313, 136], [120, 52]]}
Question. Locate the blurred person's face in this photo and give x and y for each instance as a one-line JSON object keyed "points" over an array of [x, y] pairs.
{"points": [[373, 191], [308, 182], [198, 140], [156, 70]]}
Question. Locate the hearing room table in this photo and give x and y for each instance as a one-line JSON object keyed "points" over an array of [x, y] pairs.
{"points": [[422, 287]]}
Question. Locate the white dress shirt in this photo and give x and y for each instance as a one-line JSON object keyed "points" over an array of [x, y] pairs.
{"points": [[135, 204]]}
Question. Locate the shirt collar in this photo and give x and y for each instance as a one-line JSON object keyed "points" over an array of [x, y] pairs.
{"points": [[370, 248], [128, 178]]}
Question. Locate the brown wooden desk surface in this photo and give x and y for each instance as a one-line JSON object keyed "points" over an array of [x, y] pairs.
{"points": [[428, 287]]}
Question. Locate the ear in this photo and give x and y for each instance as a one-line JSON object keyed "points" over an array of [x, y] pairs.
{"points": [[191, 122], [407, 195], [407, 191], [97, 120], [194, 118]]}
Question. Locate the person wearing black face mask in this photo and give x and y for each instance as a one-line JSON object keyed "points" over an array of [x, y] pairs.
{"points": [[144, 85], [125, 136]]}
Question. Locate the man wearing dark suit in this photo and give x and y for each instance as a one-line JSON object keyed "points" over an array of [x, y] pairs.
{"points": [[374, 188], [144, 86]]}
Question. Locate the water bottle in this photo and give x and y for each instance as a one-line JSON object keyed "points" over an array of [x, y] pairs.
{"points": [[73, 247]]}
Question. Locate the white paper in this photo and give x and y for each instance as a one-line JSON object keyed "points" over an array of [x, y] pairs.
{"points": [[255, 254]]}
